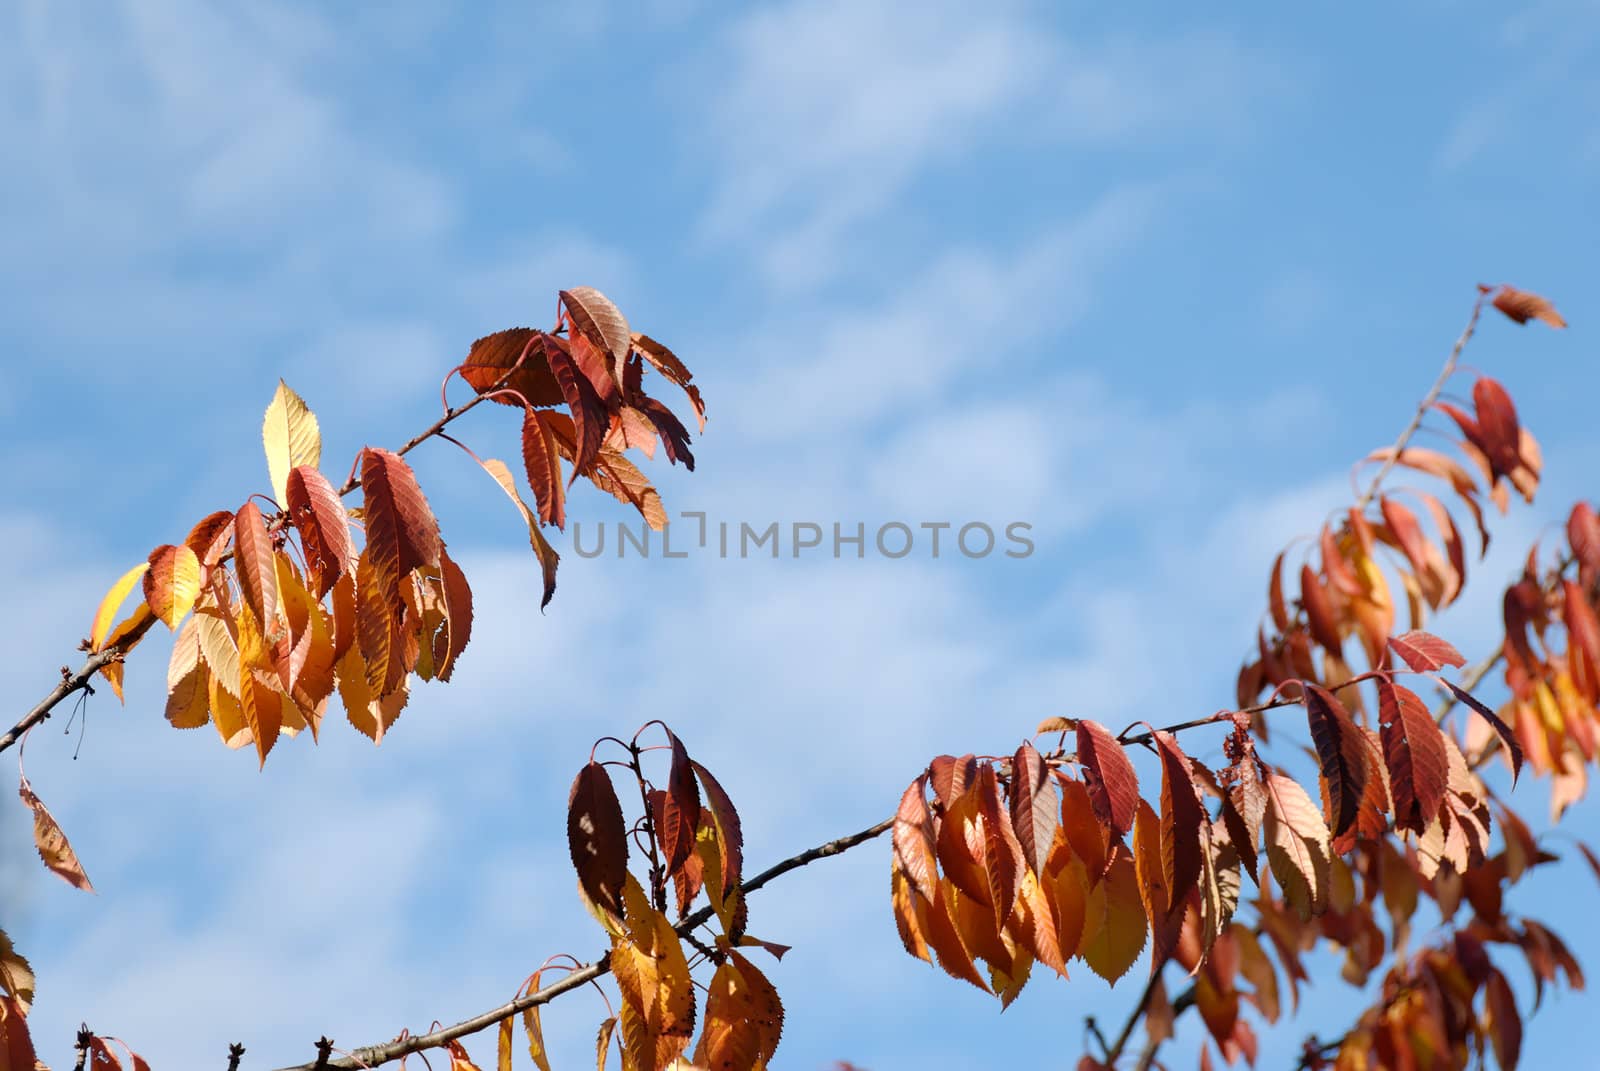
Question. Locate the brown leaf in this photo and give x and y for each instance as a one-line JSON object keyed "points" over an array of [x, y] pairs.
{"points": [[458, 615], [493, 356], [1320, 617], [1113, 786], [1297, 846], [52, 843], [319, 516], [1583, 535], [589, 417], [542, 460], [730, 832], [674, 436], [680, 811], [1181, 817], [402, 533], [1414, 750], [1340, 754], [1522, 306], [1504, 731], [1035, 810], [210, 538], [597, 837], [1505, 1025], [667, 363]]}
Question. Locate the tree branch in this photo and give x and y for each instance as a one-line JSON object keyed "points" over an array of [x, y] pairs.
{"points": [[374, 1055]]}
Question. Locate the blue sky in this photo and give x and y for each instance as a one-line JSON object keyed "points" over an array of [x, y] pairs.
{"points": [[1146, 281]]}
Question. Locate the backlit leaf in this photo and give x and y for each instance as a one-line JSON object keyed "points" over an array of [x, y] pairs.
{"points": [[1424, 652], [1114, 926], [16, 977], [1297, 846], [548, 558], [680, 811], [1035, 811], [319, 516], [912, 840], [402, 533], [291, 437], [1504, 731], [594, 314], [1113, 786], [106, 612], [730, 833], [492, 357], [1340, 754], [1414, 751], [258, 580], [172, 583]]}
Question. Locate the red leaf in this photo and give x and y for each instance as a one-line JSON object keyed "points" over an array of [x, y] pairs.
{"points": [[949, 776], [594, 314], [680, 810], [1414, 750], [598, 838], [1521, 306], [1425, 652], [402, 533], [319, 516], [1505, 1025], [1320, 618], [16, 1044], [209, 539], [1113, 785], [667, 363], [1407, 532], [493, 356], [258, 577], [674, 436], [1497, 425], [541, 457], [1035, 811], [589, 417], [1504, 731], [1340, 754], [1583, 534], [912, 840], [730, 834], [1181, 816]]}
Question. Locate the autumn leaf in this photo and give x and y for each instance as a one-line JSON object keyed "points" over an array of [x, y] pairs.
{"points": [[598, 838], [16, 1044], [458, 615], [319, 516], [1002, 855], [1182, 816], [1297, 845], [106, 612], [1424, 652], [1035, 810], [52, 843], [548, 558], [1114, 926], [1414, 750], [1113, 786], [258, 581], [492, 358], [667, 363], [912, 840], [1504, 731], [680, 811], [402, 533], [16, 977], [542, 461], [1505, 1024], [172, 583], [1340, 754], [730, 834], [1521, 306], [291, 438]]}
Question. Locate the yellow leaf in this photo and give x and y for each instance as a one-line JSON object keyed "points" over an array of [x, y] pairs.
{"points": [[16, 977], [107, 610], [172, 583], [503, 1046], [548, 558], [458, 1058], [291, 438], [1114, 927]]}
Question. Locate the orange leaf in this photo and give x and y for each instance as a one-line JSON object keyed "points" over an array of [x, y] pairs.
{"points": [[912, 840], [1035, 812], [1424, 652], [52, 843], [492, 357], [1522, 306], [541, 459], [172, 583], [730, 834], [680, 811], [1114, 926]]}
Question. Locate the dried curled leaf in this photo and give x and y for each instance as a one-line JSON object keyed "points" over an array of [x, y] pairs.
{"points": [[1522, 306], [52, 843]]}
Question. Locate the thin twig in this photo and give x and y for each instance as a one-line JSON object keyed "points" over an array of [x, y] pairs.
{"points": [[1114, 1053], [85, 1038], [235, 1054], [1427, 403], [374, 1055]]}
